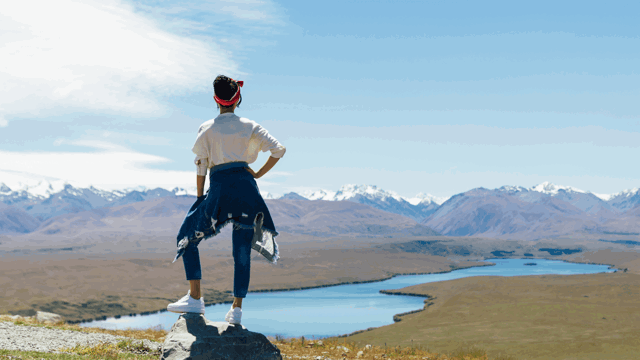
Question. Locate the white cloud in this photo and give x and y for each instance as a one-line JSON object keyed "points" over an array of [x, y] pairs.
{"points": [[64, 56], [111, 169], [211, 12], [113, 166]]}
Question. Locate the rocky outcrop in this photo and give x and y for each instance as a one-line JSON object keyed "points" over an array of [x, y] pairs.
{"points": [[192, 336], [47, 317]]}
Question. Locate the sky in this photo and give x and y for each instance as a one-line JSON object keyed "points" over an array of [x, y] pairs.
{"points": [[411, 96]]}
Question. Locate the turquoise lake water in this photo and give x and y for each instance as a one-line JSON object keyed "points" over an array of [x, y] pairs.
{"points": [[342, 309]]}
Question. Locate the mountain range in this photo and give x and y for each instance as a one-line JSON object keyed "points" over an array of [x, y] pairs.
{"points": [[45, 199], [545, 210]]}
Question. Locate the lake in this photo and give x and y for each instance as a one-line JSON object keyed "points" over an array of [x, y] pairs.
{"points": [[342, 309]]}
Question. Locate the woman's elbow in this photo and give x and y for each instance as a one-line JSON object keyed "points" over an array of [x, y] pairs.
{"points": [[279, 153]]}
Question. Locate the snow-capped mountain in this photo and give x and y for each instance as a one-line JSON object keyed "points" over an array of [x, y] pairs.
{"points": [[380, 199], [319, 195], [621, 201], [426, 198], [553, 189], [45, 199], [349, 191], [544, 210], [584, 200], [625, 200], [506, 214], [267, 195]]}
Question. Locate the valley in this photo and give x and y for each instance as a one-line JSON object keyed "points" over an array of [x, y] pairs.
{"points": [[115, 260]]}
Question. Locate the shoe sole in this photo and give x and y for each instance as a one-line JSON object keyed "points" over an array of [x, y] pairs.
{"points": [[184, 310]]}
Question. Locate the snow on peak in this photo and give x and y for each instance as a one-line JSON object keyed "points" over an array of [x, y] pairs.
{"points": [[509, 188], [424, 198], [139, 188], [624, 193], [350, 191], [629, 192], [4, 189], [319, 194], [370, 191], [267, 195], [605, 197], [552, 189], [178, 191], [44, 188]]}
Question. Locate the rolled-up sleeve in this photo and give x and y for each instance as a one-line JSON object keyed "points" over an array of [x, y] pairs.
{"points": [[269, 143], [202, 156]]}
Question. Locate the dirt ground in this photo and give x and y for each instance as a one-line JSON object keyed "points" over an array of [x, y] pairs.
{"points": [[528, 317], [84, 285]]}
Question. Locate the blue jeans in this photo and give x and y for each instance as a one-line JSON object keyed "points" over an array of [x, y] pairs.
{"points": [[241, 239]]}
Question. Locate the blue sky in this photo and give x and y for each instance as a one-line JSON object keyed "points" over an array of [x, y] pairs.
{"points": [[411, 96]]}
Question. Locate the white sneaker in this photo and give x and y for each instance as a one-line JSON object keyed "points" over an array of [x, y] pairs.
{"points": [[187, 304], [234, 315]]}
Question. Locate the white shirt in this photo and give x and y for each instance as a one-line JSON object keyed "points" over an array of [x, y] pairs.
{"points": [[229, 138]]}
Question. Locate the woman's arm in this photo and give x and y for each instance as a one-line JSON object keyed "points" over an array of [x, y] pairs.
{"points": [[265, 168], [200, 184]]}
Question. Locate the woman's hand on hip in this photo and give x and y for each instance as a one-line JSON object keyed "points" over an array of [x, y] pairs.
{"points": [[253, 173]]}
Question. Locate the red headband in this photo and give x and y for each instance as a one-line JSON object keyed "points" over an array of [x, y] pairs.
{"points": [[233, 99]]}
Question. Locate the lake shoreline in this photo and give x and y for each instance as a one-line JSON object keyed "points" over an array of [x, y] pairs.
{"points": [[396, 316], [105, 317]]}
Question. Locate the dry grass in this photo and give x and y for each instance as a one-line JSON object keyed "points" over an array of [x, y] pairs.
{"points": [[332, 348], [119, 285], [290, 348], [35, 355], [107, 350], [545, 317]]}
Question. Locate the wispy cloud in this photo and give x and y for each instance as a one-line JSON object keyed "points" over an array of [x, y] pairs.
{"points": [[109, 166], [66, 56], [112, 167], [215, 11]]}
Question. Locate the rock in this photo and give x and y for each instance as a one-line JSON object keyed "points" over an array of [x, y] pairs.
{"points": [[360, 353], [368, 347], [192, 336], [42, 316], [320, 343]]}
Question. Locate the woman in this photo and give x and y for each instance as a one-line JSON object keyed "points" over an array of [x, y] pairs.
{"points": [[225, 146]]}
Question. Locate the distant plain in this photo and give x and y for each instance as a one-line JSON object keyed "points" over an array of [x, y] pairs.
{"points": [[116, 261], [121, 277]]}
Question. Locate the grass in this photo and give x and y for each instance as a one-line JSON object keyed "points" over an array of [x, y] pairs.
{"points": [[154, 334], [334, 348], [124, 349], [36, 355], [290, 348]]}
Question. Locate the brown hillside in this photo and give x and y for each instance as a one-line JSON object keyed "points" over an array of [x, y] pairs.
{"points": [[529, 317]]}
